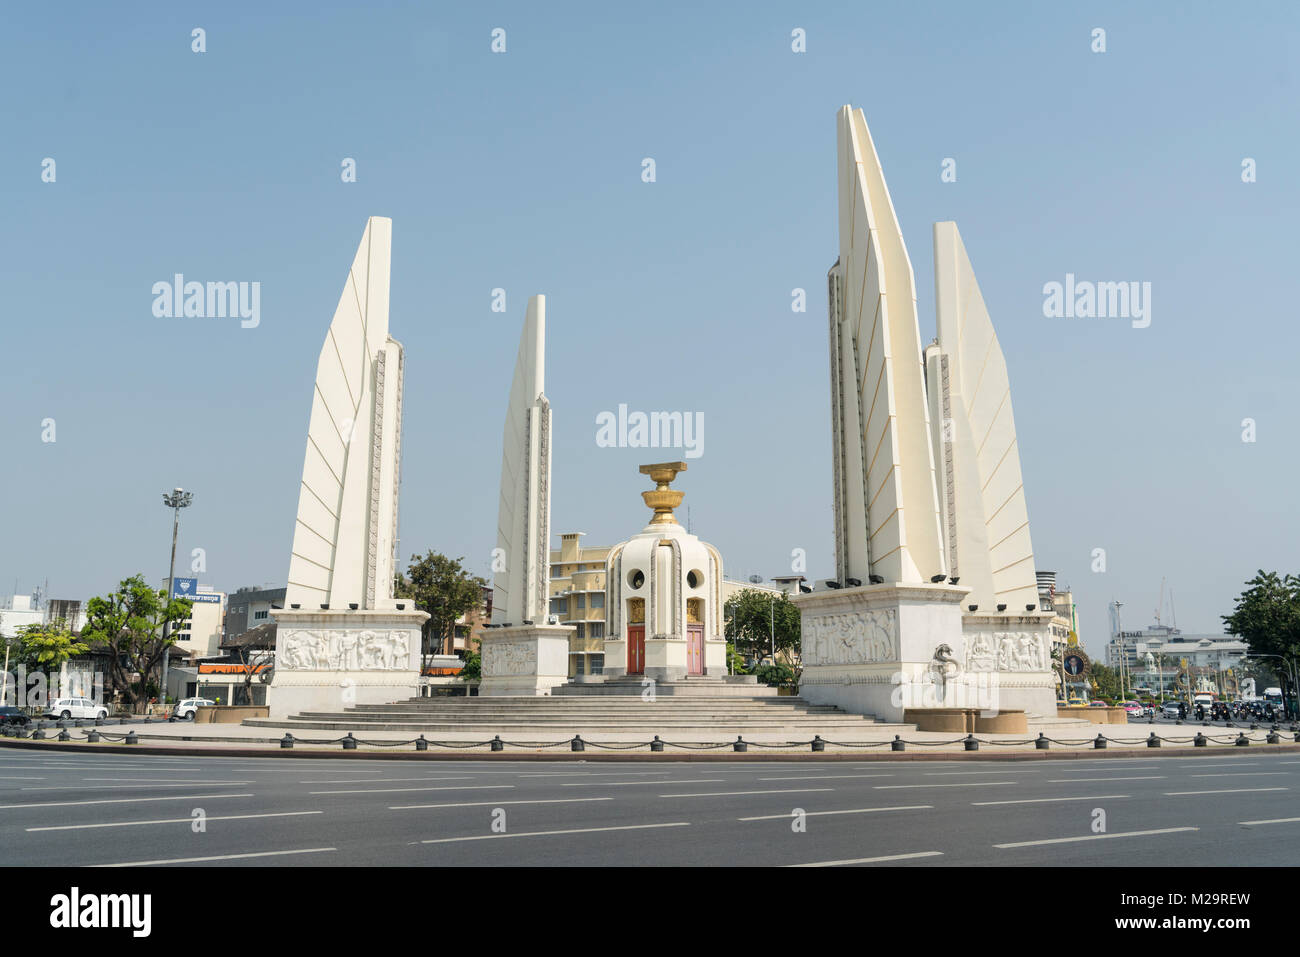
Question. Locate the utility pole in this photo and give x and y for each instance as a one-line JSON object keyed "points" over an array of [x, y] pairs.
{"points": [[1123, 658], [177, 500]]}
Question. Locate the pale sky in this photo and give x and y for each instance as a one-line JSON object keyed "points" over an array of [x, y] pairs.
{"points": [[522, 171]]}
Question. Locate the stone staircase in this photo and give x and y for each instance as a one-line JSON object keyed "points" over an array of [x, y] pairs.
{"points": [[696, 715]]}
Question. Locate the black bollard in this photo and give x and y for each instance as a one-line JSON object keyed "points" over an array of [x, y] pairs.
{"points": [[1273, 738], [577, 744], [287, 741], [817, 743], [349, 743], [421, 744], [498, 744], [1200, 740], [132, 738], [1099, 742], [898, 744], [1242, 741], [1041, 743], [1153, 741], [93, 737], [970, 743], [656, 744], [739, 745], [39, 734]]}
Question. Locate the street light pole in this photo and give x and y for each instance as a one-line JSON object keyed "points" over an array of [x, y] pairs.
{"points": [[1123, 659], [177, 500]]}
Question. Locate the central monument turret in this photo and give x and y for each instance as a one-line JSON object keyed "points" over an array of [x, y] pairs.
{"points": [[664, 594]]}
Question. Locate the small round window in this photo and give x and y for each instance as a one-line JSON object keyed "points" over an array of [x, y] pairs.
{"points": [[695, 578], [635, 579]]}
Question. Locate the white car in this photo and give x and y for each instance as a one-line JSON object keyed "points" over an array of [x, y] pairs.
{"points": [[190, 706], [75, 708]]}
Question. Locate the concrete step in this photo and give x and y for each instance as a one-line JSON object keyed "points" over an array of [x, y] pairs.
{"points": [[566, 729]]}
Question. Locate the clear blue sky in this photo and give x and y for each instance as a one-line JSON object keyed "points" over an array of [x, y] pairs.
{"points": [[522, 171]]}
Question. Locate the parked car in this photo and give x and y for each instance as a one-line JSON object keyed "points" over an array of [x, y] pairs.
{"points": [[12, 715], [74, 708], [188, 708], [1169, 710], [1098, 704]]}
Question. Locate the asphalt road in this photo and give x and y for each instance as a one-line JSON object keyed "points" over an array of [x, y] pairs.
{"points": [[71, 809]]}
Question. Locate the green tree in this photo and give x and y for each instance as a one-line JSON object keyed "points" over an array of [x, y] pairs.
{"points": [[130, 622], [48, 646], [751, 616], [1107, 681], [442, 587], [473, 670], [1267, 615]]}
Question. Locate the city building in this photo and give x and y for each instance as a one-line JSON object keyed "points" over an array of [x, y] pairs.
{"points": [[578, 600], [200, 635], [19, 610], [1064, 625], [468, 632], [1152, 657], [249, 607]]}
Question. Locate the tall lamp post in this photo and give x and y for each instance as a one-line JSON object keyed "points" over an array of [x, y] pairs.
{"points": [[1123, 659], [177, 500]]}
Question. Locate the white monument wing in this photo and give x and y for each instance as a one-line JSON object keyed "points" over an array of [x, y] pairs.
{"points": [[347, 504], [984, 501], [887, 510], [523, 517]]}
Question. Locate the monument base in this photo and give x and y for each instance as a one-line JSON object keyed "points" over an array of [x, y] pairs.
{"points": [[1012, 654], [667, 658], [331, 660], [525, 659], [872, 649]]}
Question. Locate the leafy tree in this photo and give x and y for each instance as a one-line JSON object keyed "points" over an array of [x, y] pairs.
{"points": [[1106, 680], [48, 646], [130, 622], [775, 675], [442, 587], [1267, 618], [473, 669], [752, 614]]}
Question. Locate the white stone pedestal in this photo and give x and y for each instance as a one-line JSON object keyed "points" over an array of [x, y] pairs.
{"points": [[871, 649], [1013, 654], [329, 660], [525, 659]]}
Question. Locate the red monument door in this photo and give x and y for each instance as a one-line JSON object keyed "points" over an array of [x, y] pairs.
{"points": [[636, 649], [694, 649]]}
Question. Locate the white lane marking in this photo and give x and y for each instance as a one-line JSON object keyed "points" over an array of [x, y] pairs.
{"points": [[1095, 770], [576, 830], [713, 794], [129, 787], [416, 807], [152, 780], [964, 784], [1000, 771], [827, 777], [1099, 797], [1098, 837], [871, 860], [658, 784], [21, 777], [456, 787], [454, 777], [1276, 820], [178, 797], [219, 857], [1139, 777], [856, 810], [573, 774], [172, 820], [1243, 774], [1223, 791]]}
